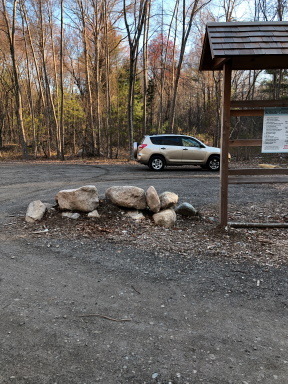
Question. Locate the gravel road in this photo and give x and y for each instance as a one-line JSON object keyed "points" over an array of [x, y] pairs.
{"points": [[101, 310]]}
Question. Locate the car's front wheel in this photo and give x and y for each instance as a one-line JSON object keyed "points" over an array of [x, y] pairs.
{"points": [[213, 164], [157, 163]]}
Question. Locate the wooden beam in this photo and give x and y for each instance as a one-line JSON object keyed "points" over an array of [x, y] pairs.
{"points": [[257, 179], [257, 225], [245, 143], [258, 171], [247, 112], [225, 128], [258, 103], [218, 63]]}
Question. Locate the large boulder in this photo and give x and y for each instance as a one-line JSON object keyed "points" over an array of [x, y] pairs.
{"points": [[84, 199], [35, 211], [166, 218], [153, 200], [127, 197], [168, 199], [186, 209]]}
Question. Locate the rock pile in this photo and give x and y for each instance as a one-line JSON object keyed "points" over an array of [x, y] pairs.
{"points": [[86, 199]]}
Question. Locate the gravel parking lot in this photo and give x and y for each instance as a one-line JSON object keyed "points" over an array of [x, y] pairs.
{"points": [[119, 302]]}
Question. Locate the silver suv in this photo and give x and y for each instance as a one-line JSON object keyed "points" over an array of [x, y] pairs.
{"points": [[157, 151]]}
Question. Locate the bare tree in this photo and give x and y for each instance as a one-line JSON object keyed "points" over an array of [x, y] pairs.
{"points": [[90, 137], [10, 30], [61, 123], [145, 68], [188, 13], [96, 36], [229, 7], [138, 11]]}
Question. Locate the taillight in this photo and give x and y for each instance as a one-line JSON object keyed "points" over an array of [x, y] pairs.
{"points": [[141, 146]]}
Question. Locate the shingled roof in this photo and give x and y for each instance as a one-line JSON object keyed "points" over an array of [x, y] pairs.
{"points": [[248, 45]]}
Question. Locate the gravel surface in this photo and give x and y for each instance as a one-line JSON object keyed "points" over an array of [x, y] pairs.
{"points": [[265, 246], [116, 301]]}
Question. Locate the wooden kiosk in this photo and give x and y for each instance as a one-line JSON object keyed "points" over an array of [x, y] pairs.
{"points": [[244, 46]]}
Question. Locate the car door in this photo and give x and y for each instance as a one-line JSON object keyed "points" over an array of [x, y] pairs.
{"points": [[171, 148], [192, 151]]}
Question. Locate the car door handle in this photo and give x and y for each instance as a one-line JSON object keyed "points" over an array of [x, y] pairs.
{"points": [[163, 148], [185, 149]]}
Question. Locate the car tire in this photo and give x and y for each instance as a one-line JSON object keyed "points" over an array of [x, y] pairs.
{"points": [[157, 163], [213, 164]]}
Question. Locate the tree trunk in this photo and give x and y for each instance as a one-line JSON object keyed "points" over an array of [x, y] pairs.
{"points": [[89, 108], [134, 32], [107, 82], [47, 87], [97, 78], [23, 9], [17, 88], [145, 70], [61, 123], [30, 97], [195, 7]]}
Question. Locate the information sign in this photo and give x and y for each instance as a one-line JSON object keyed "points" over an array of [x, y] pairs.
{"points": [[275, 130]]}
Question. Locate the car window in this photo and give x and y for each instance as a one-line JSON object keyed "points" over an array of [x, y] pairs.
{"points": [[157, 140], [171, 140], [189, 142]]}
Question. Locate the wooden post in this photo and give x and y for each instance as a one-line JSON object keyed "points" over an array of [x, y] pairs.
{"points": [[225, 128]]}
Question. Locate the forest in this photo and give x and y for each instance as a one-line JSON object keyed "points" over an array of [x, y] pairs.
{"points": [[90, 77]]}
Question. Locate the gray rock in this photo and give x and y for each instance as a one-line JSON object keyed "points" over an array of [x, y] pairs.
{"points": [[84, 199], [186, 209], [127, 196], [168, 199], [153, 200], [35, 211], [166, 218]]}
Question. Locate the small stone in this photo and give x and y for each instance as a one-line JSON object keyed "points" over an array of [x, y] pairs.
{"points": [[135, 215], [155, 375], [186, 209], [71, 215], [94, 214], [49, 206], [35, 211]]}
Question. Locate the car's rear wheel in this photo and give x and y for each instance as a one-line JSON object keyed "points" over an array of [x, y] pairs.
{"points": [[157, 163], [213, 164]]}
